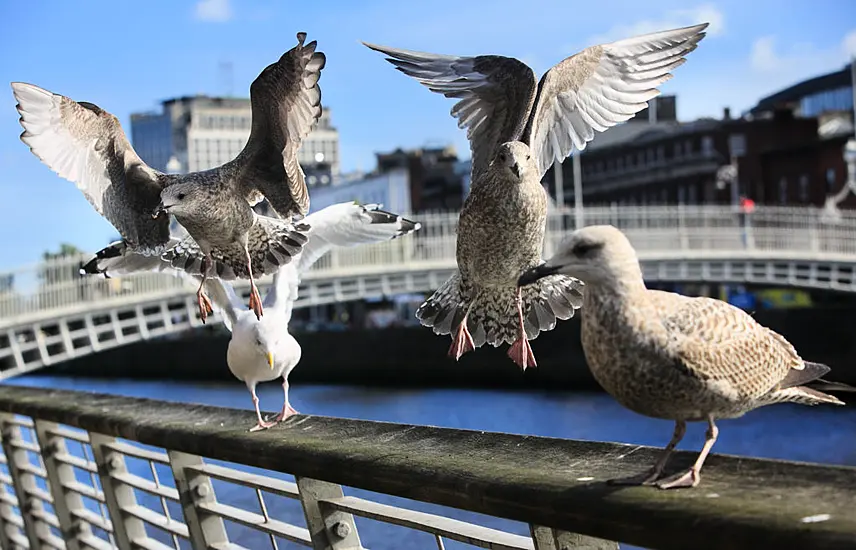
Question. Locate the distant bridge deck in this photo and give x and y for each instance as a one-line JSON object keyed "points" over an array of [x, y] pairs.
{"points": [[82, 470], [48, 313]]}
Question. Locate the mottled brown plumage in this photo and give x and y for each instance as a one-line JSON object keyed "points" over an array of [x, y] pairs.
{"points": [[675, 357], [86, 144], [517, 130]]}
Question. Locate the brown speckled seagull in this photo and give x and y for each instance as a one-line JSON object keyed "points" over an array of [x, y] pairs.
{"points": [[670, 356], [86, 145], [517, 129]]}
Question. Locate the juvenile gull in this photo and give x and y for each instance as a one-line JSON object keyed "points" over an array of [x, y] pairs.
{"points": [[517, 129], [86, 145], [670, 356], [263, 350]]}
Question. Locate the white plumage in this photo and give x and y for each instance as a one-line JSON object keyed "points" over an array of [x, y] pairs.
{"points": [[262, 349]]}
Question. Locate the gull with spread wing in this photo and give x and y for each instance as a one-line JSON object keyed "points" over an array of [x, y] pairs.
{"points": [[262, 349], [517, 129], [86, 145]]}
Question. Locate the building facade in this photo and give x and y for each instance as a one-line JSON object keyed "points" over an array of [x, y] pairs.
{"points": [[781, 159], [200, 132], [437, 179]]}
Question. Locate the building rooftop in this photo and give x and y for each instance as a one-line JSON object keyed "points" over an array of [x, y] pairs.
{"points": [[793, 94]]}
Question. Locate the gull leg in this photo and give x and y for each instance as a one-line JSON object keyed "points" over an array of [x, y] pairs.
{"points": [[520, 351], [287, 409], [649, 477], [201, 299], [255, 298], [691, 477], [262, 425]]}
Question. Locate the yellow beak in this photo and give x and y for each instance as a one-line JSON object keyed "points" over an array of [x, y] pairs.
{"points": [[270, 360]]}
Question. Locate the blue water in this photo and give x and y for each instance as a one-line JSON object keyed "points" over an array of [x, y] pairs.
{"points": [[821, 434]]}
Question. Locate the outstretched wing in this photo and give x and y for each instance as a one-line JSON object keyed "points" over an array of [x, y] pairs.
{"points": [[600, 87], [87, 146], [496, 93], [349, 224], [286, 101], [225, 299], [340, 225]]}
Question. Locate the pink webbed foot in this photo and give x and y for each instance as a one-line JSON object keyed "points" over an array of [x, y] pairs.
{"points": [[262, 425], [689, 478], [255, 301], [521, 353], [462, 343], [286, 413], [204, 303]]}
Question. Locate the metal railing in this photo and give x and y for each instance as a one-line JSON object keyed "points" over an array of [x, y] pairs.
{"points": [[49, 289], [83, 470]]}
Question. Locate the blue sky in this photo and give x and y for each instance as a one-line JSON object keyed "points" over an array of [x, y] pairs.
{"points": [[127, 56]]}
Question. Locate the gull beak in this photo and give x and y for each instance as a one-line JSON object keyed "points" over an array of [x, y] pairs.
{"points": [[270, 360], [539, 272], [161, 209], [516, 170]]}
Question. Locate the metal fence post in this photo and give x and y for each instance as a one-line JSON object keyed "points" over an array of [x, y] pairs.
{"points": [[60, 475], [117, 495], [547, 538], [329, 529], [205, 530], [23, 481]]}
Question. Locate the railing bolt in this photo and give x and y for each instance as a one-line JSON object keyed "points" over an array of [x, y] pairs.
{"points": [[202, 490], [342, 529], [114, 462]]}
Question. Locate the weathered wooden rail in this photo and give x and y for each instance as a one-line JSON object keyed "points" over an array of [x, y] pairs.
{"points": [[85, 470]]}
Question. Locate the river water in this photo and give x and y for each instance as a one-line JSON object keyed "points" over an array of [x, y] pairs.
{"points": [[816, 434]]}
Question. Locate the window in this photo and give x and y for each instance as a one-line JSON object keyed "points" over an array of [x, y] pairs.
{"points": [[804, 188], [692, 195], [677, 151], [661, 153], [682, 194], [688, 147], [783, 190], [707, 145], [830, 180]]}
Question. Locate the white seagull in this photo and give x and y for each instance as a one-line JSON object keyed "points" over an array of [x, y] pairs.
{"points": [[262, 349]]}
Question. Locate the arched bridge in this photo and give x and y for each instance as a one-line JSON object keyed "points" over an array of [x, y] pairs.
{"points": [[49, 313]]}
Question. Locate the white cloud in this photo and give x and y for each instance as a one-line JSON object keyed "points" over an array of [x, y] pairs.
{"points": [[670, 20], [850, 43], [213, 10], [768, 58]]}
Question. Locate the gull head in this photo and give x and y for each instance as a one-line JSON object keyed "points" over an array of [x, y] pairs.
{"points": [[595, 254], [515, 159], [181, 198]]}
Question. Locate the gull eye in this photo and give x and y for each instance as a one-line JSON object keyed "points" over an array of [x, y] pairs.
{"points": [[181, 196], [582, 249], [502, 157]]}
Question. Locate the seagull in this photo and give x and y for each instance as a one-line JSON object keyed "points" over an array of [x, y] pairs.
{"points": [[517, 129], [261, 350], [664, 355], [86, 145]]}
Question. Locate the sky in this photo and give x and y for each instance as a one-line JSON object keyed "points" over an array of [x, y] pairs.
{"points": [[127, 57]]}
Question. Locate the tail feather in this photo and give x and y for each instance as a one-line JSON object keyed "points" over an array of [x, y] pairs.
{"points": [[492, 311], [802, 395]]}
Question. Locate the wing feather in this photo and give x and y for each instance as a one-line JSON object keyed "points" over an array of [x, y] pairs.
{"points": [[600, 87], [86, 145], [496, 93]]}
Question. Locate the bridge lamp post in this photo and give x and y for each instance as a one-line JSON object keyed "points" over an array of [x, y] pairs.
{"points": [[850, 159]]}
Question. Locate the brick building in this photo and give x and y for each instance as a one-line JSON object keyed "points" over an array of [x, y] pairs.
{"points": [[781, 158]]}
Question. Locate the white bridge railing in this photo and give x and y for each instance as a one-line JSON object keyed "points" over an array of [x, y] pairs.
{"points": [[52, 288], [49, 313]]}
